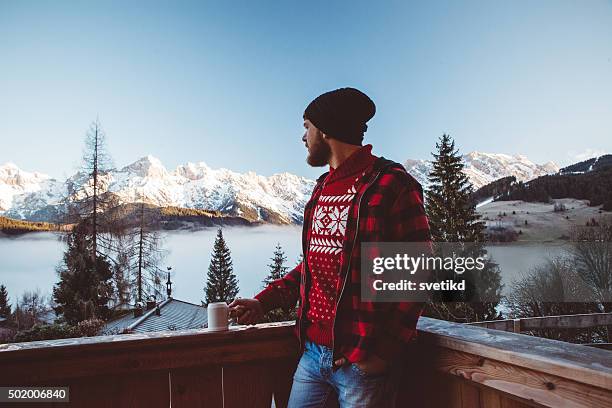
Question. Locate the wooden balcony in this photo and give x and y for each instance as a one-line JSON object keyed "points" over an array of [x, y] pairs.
{"points": [[454, 365]]}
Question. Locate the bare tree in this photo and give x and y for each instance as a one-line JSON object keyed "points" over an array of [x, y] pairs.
{"points": [[124, 235], [550, 289], [30, 309], [88, 198], [147, 255], [121, 271], [89, 202], [592, 255], [89, 207]]}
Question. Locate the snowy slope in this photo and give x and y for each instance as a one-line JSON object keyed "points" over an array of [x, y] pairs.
{"points": [[279, 198], [483, 168], [15, 182]]}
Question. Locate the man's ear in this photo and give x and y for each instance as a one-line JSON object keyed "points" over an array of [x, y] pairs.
{"points": [[325, 136]]}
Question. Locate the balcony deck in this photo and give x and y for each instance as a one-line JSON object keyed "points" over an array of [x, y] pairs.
{"points": [[455, 365]]}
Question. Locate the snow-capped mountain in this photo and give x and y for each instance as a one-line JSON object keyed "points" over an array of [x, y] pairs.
{"points": [[15, 182], [483, 168], [279, 198]]}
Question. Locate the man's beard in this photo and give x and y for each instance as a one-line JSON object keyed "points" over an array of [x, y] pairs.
{"points": [[319, 154]]}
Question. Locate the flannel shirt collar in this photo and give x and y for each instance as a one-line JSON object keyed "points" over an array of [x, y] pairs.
{"points": [[354, 164]]}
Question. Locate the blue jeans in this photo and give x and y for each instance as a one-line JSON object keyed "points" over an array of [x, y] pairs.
{"points": [[315, 384]]}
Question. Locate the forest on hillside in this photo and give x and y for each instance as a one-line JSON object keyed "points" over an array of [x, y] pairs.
{"points": [[10, 226], [595, 186]]}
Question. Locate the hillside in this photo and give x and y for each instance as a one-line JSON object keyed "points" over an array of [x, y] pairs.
{"points": [[162, 218], [595, 163], [539, 221], [9, 226], [175, 218], [594, 186], [493, 189]]}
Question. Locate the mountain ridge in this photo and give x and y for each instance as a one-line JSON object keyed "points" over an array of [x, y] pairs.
{"points": [[484, 168], [279, 198]]}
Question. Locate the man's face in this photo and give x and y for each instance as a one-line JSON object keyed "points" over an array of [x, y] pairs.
{"points": [[319, 151]]}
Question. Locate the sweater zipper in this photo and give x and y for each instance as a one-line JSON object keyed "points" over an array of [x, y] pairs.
{"points": [[348, 266]]}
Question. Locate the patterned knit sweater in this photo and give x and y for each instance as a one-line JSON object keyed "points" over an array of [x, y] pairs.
{"points": [[326, 239]]}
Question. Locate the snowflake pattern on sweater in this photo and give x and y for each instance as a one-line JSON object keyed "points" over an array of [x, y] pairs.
{"points": [[325, 247]]}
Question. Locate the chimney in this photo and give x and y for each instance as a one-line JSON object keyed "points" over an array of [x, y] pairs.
{"points": [[151, 303], [158, 311], [138, 310]]}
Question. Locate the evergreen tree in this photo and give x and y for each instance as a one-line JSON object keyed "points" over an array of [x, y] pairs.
{"points": [[222, 284], [5, 307], [451, 211], [277, 271], [85, 285], [453, 219], [277, 268]]}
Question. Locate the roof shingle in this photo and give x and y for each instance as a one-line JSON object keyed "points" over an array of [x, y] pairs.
{"points": [[175, 315]]}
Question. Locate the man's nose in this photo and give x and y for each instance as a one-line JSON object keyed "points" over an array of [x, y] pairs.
{"points": [[304, 137]]}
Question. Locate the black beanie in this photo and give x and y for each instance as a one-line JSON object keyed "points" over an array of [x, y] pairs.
{"points": [[342, 114]]}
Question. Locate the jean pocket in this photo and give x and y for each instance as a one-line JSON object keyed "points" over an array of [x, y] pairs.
{"points": [[357, 370], [364, 374]]}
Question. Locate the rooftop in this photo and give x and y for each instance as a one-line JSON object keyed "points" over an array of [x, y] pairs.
{"points": [[174, 315]]}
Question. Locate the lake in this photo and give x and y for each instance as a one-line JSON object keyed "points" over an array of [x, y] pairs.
{"points": [[28, 262]]}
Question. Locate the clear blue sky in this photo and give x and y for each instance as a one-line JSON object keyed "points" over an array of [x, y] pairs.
{"points": [[227, 82]]}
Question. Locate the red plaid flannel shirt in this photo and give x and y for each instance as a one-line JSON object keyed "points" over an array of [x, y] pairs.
{"points": [[387, 208]]}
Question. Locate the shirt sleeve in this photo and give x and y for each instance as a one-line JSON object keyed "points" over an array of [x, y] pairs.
{"points": [[283, 292]]}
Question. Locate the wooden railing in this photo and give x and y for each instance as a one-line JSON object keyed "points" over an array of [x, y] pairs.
{"points": [[478, 367], [452, 365], [577, 321]]}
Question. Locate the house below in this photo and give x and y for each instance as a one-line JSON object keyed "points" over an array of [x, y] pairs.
{"points": [[170, 314]]}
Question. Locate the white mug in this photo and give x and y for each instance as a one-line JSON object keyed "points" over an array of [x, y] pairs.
{"points": [[218, 316]]}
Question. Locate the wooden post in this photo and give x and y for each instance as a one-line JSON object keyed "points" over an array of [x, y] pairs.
{"points": [[516, 325]]}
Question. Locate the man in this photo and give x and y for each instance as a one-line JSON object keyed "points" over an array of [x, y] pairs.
{"points": [[349, 346]]}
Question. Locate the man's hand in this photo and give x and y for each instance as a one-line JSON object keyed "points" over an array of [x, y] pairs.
{"points": [[246, 311], [372, 365]]}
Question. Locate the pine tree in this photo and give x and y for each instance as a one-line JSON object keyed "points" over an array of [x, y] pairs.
{"points": [[452, 214], [85, 286], [277, 268], [453, 219], [5, 307], [222, 284], [277, 271]]}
